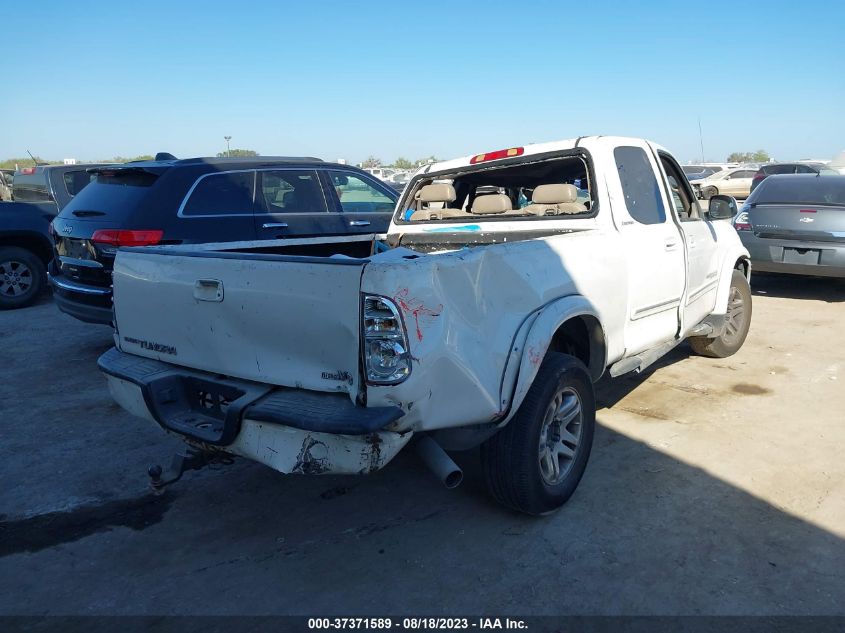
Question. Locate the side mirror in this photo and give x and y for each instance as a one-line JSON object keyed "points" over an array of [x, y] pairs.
{"points": [[722, 208]]}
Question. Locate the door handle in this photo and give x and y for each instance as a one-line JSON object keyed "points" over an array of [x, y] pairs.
{"points": [[208, 290], [670, 244], [274, 225], [359, 223]]}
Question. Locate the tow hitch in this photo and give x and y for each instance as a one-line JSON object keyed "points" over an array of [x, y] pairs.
{"points": [[189, 459]]}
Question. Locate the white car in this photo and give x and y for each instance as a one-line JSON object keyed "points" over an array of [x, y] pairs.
{"points": [[483, 317]]}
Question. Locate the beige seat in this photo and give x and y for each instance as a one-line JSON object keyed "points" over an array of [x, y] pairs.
{"points": [[441, 195], [555, 200], [491, 204]]}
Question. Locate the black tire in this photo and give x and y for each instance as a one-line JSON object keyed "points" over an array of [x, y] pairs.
{"points": [[737, 326], [709, 192], [511, 459], [22, 276]]}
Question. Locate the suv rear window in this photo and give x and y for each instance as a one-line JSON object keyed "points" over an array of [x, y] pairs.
{"points": [[824, 190], [111, 193]]}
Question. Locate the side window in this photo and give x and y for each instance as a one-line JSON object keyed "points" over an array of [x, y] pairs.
{"points": [[679, 190], [639, 185], [292, 191], [222, 194], [358, 196], [805, 169], [75, 181]]}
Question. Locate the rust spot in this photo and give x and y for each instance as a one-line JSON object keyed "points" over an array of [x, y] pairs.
{"points": [[749, 390], [307, 463], [534, 356]]}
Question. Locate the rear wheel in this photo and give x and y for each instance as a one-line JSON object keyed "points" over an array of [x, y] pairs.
{"points": [[737, 322], [21, 277], [534, 464]]}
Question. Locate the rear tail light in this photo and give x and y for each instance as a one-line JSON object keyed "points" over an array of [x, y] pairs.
{"points": [[759, 176], [387, 358], [742, 221], [109, 240], [27, 171], [120, 237]]}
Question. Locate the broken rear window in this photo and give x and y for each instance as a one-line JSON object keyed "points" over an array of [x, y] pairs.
{"points": [[554, 187]]}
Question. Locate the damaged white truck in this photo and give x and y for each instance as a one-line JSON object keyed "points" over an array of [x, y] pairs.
{"points": [[509, 282]]}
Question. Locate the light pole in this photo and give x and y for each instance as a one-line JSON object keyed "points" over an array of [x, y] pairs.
{"points": [[228, 152]]}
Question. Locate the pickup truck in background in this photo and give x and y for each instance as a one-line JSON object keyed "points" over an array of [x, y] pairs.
{"points": [[25, 245], [508, 283]]}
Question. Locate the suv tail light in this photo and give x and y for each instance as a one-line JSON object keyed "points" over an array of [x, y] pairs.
{"points": [[120, 237], [387, 357], [759, 176], [109, 240], [742, 221], [27, 171]]}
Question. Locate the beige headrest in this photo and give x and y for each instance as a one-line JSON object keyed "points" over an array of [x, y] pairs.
{"points": [[436, 193], [491, 203], [554, 194]]}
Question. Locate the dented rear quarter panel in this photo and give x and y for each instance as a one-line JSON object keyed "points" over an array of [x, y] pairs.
{"points": [[468, 313]]}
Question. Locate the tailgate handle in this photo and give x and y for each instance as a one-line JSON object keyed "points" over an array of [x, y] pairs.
{"points": [[208, 290]]}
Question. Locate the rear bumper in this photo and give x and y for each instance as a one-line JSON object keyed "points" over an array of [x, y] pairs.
{"points": [[820, 259], [290, 430], [91, 304]]}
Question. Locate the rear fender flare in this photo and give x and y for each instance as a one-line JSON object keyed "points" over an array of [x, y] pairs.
{"points": [[540, 333]]}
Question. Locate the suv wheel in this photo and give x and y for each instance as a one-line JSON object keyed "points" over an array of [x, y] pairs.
{"points": [[534, 464], [21, 277]]}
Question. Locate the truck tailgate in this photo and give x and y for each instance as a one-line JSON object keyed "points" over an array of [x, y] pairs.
{"points": [[289, 321]]}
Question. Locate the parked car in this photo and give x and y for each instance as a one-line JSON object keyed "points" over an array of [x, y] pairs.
{"points": [[730, 182], [699, 172], [170, 201], [25, 245], [796, 224], [474, 321], [6, 178], [789, 168]]}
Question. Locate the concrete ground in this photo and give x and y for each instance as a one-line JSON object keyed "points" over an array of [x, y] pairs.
{"points": [[714, 487]]}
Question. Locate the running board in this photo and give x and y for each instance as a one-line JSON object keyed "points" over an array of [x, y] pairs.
{"points": [[642, 360]]}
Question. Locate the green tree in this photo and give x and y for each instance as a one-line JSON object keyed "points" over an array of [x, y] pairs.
{"points": [[238, 152], [370, 162], [760, 156], [10, 163], [123, 159], [425, 161], [403, 163]]}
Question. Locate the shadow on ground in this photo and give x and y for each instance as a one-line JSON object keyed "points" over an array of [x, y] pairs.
{"points": [[827, 289]]}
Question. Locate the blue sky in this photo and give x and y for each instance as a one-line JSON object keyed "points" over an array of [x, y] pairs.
{"points": [[343, 79]]}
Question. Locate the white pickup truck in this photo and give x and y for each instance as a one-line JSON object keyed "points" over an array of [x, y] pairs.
{"points": [[509, 282]]}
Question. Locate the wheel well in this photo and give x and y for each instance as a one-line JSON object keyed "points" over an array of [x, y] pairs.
{"points": [[583, 338], [31, 242]]}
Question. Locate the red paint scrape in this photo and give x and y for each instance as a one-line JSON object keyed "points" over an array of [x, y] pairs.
{"points": [[416, 308]]}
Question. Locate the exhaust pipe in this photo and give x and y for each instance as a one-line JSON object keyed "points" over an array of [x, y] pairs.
{"points": [[439, 462]]}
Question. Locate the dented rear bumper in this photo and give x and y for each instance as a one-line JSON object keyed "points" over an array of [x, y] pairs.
{"points": [[290, 430]]}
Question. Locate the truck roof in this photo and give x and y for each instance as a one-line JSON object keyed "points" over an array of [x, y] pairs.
{"points": [[526, 150]]}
